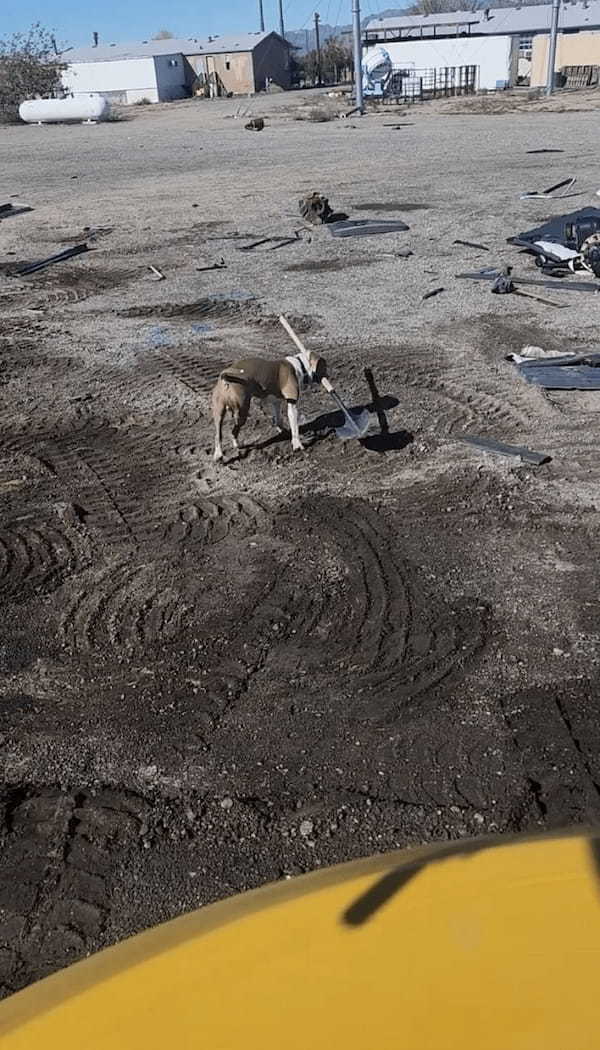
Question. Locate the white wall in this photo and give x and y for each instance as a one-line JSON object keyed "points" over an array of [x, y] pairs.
{"points": [[492, 54], [171, 79], [132, 77]]}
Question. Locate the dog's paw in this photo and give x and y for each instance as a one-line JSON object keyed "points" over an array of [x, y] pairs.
{"points": [[298, 447], [218, 456]]}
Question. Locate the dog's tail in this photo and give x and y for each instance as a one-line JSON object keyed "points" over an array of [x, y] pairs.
{"points": [[230, 377]]}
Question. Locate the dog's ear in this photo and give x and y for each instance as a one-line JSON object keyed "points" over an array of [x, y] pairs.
{"points": [[320, 367]]}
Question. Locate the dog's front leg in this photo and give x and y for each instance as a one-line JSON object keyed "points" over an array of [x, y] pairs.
{"points": [[292, 408]]}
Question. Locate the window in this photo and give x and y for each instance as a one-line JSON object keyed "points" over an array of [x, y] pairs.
{"points": [[227, 64], [525, 46], [173, 62]]}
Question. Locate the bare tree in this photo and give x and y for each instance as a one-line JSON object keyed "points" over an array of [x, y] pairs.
{"points": [[29, 68], [336, 59], [438, 7], [164, 34]]}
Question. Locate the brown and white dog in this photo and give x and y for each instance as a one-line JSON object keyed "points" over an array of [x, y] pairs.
{"points": [[276, 380]]}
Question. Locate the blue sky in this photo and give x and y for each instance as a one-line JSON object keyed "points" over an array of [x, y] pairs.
{"points": [[74, 21]]}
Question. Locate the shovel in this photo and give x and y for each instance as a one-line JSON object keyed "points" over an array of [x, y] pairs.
{"points": [[357, 423]]}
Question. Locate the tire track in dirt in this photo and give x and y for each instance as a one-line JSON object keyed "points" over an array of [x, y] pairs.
{"points": [[124, 608], [131, 608], [141, 491], [367, 602], [560, 774], [212, 519], [484, 407], [83, 479], [36, 555], [55, 875], [72, 285]]}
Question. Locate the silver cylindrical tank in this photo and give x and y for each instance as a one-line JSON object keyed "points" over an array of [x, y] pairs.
{"points": [[55, 110]]}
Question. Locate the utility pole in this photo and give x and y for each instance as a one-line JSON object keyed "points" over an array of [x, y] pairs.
{"points": [[358, 86], [552, 47], [318, 49], [281, 25], [261, 16]]}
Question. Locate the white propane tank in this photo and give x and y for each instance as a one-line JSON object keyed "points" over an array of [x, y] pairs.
{"points": [[57, 110]]}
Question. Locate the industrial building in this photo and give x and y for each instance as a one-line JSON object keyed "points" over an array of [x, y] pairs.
{"points": [[162, 70], [499, 40]]}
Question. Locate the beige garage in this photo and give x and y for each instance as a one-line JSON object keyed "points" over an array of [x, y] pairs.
{"points": [[572, 49], [237, 65]]}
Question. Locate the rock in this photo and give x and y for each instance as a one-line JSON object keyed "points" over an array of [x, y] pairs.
{"points": [[226, 803], [306, 828]]}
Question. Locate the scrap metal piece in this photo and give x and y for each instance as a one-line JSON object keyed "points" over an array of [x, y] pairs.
{"points": [[8, 210], [555, 253], [569, 230], [472, 244], [577, 378], [255, 244], [504, 285], [220, 265], [563, 361], [283, 243], [556, 285], [590, 254], [570, 372], [315, 208], [430, 295], [540, 299], [551, 193], [366, 227], [256, 124], [158, 274], [68, 253], [273, 242], [526, 455], [544, 150]]}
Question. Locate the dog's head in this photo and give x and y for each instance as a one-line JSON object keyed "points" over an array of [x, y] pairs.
{"points": [[318, 367]]}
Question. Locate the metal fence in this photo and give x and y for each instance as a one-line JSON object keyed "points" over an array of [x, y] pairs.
{"points": [[418, 85]]}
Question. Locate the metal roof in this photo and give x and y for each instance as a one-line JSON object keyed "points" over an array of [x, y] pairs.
{"points": [[530, 18], [183, 46]]}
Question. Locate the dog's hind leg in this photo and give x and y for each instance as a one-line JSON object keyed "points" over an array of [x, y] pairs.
{"points": [[276, 414], [240, 416], [218, 409]]}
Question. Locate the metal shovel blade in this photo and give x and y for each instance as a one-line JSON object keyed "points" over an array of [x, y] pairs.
{"points": [[356, 423]]}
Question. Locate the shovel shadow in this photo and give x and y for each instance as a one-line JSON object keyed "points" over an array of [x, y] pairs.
{"points": [[332, 420], [382, 442]]}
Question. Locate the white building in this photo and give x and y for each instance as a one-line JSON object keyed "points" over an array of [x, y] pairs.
{"points": [[493, 61], [127, 72], [522, 24]]}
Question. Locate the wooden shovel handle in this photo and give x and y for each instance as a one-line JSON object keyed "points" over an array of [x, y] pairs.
{"points": [[290, 331]]}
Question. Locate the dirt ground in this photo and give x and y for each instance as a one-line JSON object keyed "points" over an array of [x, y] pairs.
{"points": [[216, 676]]}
